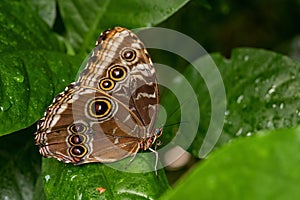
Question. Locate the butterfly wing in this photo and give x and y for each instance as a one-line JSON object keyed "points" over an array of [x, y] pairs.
{"points": [[86, 125], [109, 110], [121, 66]]}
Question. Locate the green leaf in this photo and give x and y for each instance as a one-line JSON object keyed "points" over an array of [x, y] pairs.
{"points": [[265, 166], [20, 166], [84, 20], [28, 82], [32, 69], [22, 29], [261, 93], [81, 182]]}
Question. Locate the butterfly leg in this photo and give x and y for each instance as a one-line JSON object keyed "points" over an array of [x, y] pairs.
{"points": [[131, 160], [156, 160]]}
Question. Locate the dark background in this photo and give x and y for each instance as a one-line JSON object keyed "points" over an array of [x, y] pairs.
{"points": [[220, 25]]}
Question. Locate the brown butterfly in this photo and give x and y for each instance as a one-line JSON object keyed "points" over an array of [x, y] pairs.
{"points": [[110, 112]]}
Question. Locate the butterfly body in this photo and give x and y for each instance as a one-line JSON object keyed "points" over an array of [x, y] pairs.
{"points": [[109, 113]]}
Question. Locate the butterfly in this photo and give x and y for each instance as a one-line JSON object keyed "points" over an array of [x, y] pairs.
{"points": [[109, 112]]}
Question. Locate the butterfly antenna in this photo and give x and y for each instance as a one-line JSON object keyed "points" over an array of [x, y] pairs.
{"points": [[175, 123]]}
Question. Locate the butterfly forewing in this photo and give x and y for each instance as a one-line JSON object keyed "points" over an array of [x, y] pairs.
{"points": [[121, 66]]}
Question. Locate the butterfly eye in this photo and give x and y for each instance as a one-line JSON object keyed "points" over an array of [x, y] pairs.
{"points": [[77, 128], [77, 139], [117, 73], [106, 84], [128, 54], [78, 151], [99, 107]]}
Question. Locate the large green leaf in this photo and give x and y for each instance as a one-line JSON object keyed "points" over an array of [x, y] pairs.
{"points": [[85, 19], [265, 166], [32, 69], [261, 93], [81, 182], [28, 82]]}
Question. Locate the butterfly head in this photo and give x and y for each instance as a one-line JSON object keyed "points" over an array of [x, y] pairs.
{"points": [[158, 132]]}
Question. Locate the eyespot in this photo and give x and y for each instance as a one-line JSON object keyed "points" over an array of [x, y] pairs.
{"points": [[106, 84], [99, 107], [77, 139], [77, 128], [117, 73], [128, 54], [78, 151]]}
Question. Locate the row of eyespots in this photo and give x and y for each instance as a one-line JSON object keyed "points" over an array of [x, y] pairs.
{"points": [[117, 72], [76, 140]]}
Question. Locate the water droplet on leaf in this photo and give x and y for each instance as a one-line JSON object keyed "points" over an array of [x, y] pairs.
{"points": [[249, 134], [272, 89], [270, 124], [239, 132], [47, 178], [240, 99], [227, 112], [19, 78], [5, 105], [281, 106]]}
